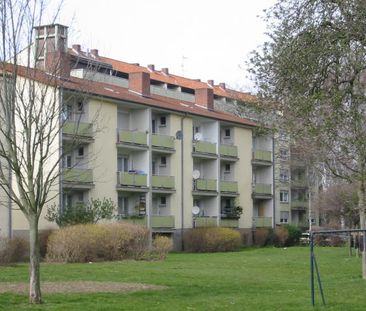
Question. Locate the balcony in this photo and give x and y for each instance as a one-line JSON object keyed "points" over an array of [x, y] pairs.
{"points": [[229, 151], [262, 189], [135, 220], [77, 129], [132, 179], [229, 186], [166, 182], [299, 204], [229, 223], [162, 221], [205, 222], [204, 147], [205, 185], [298, 183], [162, 141], [77, 178], [262, 155], [132, 137], [262, 222]]}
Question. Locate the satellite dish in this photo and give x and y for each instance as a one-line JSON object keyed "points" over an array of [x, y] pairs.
{"points": [[195, 210], [196, 174], [197, 136]]}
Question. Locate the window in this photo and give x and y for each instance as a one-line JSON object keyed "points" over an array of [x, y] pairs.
{"points": [[283, 154], [80, 197], [227, 133], [67, 112], [68, 161], [123, 206], [283, 175], [163, 121], [284, 196], [162, 201], [284, 217], [163, 161], [81, 152], [227, 168], [80, 106]]}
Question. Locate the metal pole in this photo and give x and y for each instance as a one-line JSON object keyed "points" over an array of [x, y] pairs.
{"points": [[319, 281], [312, 269]]}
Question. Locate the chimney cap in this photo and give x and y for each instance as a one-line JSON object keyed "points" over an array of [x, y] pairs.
{"points": [[94, 52]]}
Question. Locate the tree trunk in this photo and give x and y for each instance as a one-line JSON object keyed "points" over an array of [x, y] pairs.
{"points": [[34, 279], [361, 206]]}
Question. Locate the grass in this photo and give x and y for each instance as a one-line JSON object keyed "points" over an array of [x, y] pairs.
{"points": [[253, 279]]}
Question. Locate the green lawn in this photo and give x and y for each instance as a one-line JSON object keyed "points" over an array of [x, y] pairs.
{"points": [[253, 279]]}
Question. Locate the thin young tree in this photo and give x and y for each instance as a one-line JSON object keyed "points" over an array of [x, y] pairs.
{"points": [[30, 121], [312, 71]]}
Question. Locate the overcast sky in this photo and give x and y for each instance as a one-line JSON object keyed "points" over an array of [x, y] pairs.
{"points": [[198, 39]]}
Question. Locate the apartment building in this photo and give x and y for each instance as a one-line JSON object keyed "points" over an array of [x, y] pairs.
{"points": [[155, 143]]}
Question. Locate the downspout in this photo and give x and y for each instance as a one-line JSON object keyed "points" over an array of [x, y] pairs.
{"points": [[273, 185], [149, 194], [10, 215], [61, 100], [182, 177]]}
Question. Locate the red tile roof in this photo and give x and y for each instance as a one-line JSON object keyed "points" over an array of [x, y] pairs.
{"points": [[121, 93]]}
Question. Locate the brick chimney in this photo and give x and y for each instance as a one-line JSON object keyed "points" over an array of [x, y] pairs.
{"points": [[94, 53], [139, 82], [205, 97], [151, 67], [76, 47], [50, 49], [222, 85], [210, 82], [165, 71]]}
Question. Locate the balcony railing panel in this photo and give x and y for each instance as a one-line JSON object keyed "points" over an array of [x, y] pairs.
{"points": [[77, 175], [263, 222], [229, 150], [77, 129], [229, 223], [163, 141], [132, 137], [229, 186], [206, 184], [163, 182], [262, 155], [301, 183], [299, 204], [132, 179], [204, 147], [205, 221], [162, 221], [135, 220], [263, 188]]}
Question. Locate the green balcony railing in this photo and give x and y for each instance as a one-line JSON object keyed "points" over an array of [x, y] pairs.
{"points": [[77, 128], [77, 175], [262, 222], [162, 221], [299, 204], [163, 182], [229, 223], [262, 155], [205, 184], [229, 150], [132, 179], [301, 183], [204, 147], [135, 220], [262, 188], [229, 186], [163, 141], [205, 222], [132, 137]]}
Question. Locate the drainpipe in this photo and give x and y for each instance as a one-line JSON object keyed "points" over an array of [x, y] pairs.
{"points": [[273, 185], [10, 215], [60, 190], [149, 194], [182, 177]]}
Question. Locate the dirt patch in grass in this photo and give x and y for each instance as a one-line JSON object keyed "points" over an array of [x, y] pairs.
{"points": [[80, 287]]}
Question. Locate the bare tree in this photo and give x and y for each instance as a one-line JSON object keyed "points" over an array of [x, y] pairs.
{"points": [[31, 109]]}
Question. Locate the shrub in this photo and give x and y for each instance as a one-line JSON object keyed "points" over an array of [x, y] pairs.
{"points": [[337, 241], [261, 236], [213, 239], [13, 250], [43, 240], [162, 245], [282, 236], [294, 235], [91, 242], [89, 213]]}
